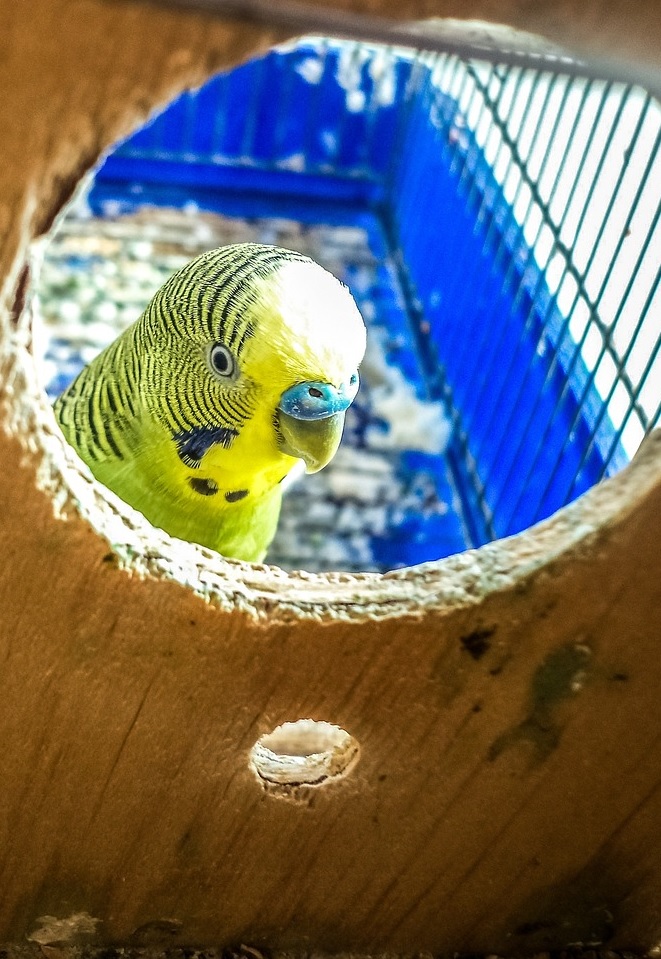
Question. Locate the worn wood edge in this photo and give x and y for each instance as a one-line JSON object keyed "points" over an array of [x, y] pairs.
{"points": [[267, 591]]}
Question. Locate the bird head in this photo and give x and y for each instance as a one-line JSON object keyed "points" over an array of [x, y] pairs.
{"points": [[260, 348]]}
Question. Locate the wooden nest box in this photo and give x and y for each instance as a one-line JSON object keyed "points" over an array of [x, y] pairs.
{"points": [[459, 757]]}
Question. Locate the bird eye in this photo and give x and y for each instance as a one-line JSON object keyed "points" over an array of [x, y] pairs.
{"points": [[222, 360]]}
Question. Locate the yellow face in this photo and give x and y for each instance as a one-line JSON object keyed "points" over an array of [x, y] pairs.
{"points": [[310, 332], [310, 329], [239, 357]]}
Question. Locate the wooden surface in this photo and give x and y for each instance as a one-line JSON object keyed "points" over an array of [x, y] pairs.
{"points": [[505, 703]]}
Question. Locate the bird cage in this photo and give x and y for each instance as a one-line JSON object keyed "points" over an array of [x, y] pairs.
{"points": [[499, 228]]}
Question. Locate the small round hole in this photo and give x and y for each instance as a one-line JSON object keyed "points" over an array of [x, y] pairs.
{"points": [[304, 753]]}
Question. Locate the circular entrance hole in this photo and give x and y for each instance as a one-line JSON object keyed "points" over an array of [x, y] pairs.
{"points": [[489, 398], [304, 753]]}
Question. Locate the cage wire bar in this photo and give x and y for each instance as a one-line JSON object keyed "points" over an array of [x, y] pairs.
{"points": [[513, 208], [578, 164]]}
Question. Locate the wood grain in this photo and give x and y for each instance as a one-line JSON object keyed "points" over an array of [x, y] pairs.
{"points": [[507, 796]]}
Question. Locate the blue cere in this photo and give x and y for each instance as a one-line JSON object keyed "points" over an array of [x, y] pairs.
{"points": [[318, 401]]}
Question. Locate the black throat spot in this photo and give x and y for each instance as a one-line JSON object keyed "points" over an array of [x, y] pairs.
{"points": [[205, 487], [234, 495], [193, 444]]}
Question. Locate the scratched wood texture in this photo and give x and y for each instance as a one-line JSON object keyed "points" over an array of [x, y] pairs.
{"points": [[507, 796]]}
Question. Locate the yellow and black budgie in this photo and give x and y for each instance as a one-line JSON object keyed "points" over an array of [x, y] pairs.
{"points": [[243, 363]]}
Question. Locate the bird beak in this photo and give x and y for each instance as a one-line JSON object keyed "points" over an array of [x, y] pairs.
{"points": [[311, 420]]}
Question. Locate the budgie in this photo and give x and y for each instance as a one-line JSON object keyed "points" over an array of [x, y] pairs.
{"points": [[242, 364]]}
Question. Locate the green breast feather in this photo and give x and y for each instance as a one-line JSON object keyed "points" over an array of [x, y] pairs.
{"points": [[244, 362]]}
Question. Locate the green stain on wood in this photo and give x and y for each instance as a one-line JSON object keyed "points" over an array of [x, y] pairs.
{"points": [[560, 676]]}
